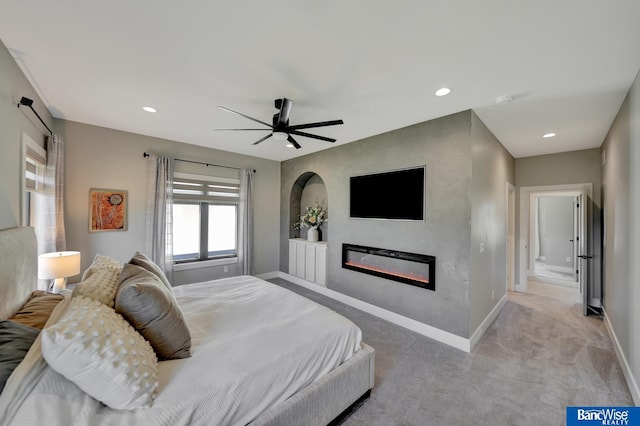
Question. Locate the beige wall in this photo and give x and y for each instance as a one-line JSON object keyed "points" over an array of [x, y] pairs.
{"points": [[492, 167], [98, 157], [621, 183], [105, 158], [13, 122]]}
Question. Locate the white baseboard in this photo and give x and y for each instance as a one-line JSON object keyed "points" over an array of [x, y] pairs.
{"points": [[565, 269], [426, 330], [626, 370], [477, 335]]}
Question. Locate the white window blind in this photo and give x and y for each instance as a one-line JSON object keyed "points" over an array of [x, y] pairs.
{"points": [[34, 163], [205, 210], [209, 189]]}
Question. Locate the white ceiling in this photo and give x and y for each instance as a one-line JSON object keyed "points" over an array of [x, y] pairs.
{"points": [[566, 64]]}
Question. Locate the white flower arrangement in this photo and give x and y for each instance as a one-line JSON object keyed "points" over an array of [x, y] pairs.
{"points": [[314, 216]]}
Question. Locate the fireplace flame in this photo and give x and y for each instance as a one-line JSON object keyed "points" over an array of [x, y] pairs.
{"points": [[411, 276]]}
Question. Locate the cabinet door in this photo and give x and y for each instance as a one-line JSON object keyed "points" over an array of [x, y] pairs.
{"points": [[292, 258], [310, 263], [300, 260], [321, 266]]}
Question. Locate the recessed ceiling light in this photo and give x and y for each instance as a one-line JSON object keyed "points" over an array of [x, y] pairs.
{"points": [[289, 145], [149, 109], [444, 91], [548, 135]]}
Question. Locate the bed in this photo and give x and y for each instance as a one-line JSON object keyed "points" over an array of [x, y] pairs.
{"points": [[260, 355]]}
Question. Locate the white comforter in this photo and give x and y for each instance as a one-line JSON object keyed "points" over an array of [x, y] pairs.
{"points": [[254, 344]]}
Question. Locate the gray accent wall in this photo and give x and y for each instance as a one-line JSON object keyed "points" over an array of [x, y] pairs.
{"points": [[445, 147], [621, 194], [13, 122], [97, 157]]}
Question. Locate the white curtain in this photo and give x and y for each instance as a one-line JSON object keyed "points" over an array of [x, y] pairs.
{"points": [[245, 228], [49, 218], [160, 213]]}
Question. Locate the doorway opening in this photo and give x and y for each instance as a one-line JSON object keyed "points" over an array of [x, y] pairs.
{"points": [[554, 243]]}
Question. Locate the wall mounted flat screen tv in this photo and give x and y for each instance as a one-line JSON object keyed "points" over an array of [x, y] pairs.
{"points": [[397, 195]]}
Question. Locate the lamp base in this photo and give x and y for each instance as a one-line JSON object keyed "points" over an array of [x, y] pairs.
{"points": [[59, 284]]}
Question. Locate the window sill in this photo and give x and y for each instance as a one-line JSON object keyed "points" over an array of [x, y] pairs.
{"points": [[204, 264]]}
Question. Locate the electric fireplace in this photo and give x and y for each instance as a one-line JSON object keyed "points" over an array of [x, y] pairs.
{"points": [[408, 268]]}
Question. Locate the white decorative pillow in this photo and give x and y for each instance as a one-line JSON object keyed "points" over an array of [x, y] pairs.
{"points": [[101, 285], [95, 348], [100, 262]]}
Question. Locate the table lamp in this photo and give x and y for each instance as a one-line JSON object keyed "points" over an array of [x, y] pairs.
{"points": [[58, 266]]}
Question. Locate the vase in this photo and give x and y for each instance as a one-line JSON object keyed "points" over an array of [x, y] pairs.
{"points": [[312, 234]]}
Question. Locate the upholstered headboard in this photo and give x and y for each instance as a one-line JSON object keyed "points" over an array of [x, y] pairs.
{"points": [[18, 268]]}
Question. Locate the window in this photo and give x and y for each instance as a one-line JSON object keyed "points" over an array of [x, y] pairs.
{"points": [[34, 162], [205, 217]]}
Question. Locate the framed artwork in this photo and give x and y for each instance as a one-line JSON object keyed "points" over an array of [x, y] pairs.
{"points": [[107, 210]]}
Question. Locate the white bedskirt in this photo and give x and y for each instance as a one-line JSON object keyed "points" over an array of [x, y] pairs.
{"points": [[254, 344]]}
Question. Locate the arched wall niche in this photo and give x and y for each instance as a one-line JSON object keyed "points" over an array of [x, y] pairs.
{"points": [[308, 189]]}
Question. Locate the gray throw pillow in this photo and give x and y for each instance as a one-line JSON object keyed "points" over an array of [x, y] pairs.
{"points": [[146, 303], [141, 259], [15, 341]]}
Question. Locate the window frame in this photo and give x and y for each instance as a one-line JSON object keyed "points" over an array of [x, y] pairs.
{"points": [[204, 257], [34, 154]]}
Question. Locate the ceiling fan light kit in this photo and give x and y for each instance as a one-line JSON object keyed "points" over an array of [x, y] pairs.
{"points": [[281, 130], [281, 136]]}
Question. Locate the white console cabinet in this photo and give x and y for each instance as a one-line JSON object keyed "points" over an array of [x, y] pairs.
{"points": [[308, 260]]}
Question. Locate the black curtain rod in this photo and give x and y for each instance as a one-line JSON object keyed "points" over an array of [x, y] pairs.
{"points": [[199, 162], [29, 103]]}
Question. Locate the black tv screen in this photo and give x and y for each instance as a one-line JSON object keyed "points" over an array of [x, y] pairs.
{"points": [[397, 194]]}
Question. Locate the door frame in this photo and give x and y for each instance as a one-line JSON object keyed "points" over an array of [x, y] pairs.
{"points": [[511, 237], [524, 234]]}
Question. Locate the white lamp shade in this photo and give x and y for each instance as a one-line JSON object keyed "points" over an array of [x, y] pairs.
{"points": [[59, 264]]}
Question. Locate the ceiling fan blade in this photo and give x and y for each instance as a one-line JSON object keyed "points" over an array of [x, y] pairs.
{"points": [[318, 124], [262, 139], [245, 116], [293, 142], [245, 129], [309, 135]]}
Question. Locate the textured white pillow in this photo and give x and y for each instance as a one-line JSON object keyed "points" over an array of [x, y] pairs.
{"points": [[95, 348], [101, 285], [100, 262]]}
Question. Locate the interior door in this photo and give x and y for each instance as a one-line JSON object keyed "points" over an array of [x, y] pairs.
{"points": [[584, 257], [575, 240]]}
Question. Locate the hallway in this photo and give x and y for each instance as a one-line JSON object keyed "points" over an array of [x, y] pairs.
{"points": [[570, 295]]}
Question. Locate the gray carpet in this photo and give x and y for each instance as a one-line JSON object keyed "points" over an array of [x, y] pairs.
{"points": [[538, 357]]}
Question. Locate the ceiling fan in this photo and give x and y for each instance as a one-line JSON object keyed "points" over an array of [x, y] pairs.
{"points": [[280, 129]]}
